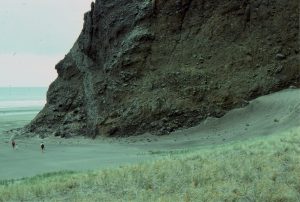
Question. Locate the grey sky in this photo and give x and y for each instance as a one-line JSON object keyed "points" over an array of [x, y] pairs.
{"points": [[33, 31]]}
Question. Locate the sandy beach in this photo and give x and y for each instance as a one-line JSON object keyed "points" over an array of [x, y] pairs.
{"points": [[263, 116]]}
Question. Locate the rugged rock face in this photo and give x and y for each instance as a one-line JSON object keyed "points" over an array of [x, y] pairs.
{"points": [[158, 65]]}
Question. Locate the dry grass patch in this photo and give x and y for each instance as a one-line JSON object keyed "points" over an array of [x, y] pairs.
{"points": [[265, 169]]}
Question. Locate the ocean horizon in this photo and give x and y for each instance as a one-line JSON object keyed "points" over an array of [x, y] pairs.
{"points": [[22, 100]]}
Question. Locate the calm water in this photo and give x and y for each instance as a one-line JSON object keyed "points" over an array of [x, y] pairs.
{"points": [[21, 100]]}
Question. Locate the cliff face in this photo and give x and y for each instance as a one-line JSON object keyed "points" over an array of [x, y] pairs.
{"points": [[158, 65]]}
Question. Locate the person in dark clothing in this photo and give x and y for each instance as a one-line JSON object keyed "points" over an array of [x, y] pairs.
{"points": [[42, 147], [13, 144]]}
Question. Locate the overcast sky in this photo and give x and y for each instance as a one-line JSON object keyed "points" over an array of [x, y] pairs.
{"points": [[34, 36]]}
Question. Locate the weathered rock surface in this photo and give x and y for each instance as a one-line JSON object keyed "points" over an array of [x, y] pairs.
{"points": [[158, 65]]}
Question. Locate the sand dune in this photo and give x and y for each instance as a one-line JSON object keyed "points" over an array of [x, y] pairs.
{"points": [[263, 116]]}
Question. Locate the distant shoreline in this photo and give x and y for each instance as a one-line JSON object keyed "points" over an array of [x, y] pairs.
{"points": [[19, 105], [24, 86], [15, 112]]}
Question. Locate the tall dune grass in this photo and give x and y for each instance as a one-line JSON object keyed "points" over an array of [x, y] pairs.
{"points": [[264, 169]]}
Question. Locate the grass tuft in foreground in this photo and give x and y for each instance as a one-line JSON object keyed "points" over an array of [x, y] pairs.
{"points": [[259, 170]]}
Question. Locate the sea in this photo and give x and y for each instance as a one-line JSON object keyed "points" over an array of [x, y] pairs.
{"points": [[21, 100]]}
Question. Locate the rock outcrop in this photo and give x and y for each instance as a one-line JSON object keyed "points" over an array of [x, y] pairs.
{"points": [[158, 65]]}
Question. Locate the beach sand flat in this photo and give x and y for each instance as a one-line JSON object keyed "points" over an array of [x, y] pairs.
{"points": [[263, 116]]}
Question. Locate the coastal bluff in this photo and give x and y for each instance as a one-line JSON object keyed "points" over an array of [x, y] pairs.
{"points": [[159, 65]]}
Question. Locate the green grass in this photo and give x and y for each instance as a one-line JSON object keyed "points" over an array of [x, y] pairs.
{"points": [[167, 152], [264, 169]]}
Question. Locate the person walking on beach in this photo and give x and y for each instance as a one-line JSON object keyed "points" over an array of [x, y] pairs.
{"points": [[42, 147], [13, 144]]}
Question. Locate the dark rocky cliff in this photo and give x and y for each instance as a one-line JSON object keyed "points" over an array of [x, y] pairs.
{"points": [[158, 65]]}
